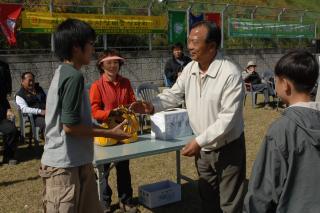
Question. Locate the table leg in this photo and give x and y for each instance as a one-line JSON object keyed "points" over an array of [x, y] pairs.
{"points": [[101, 182], [178, 168]]}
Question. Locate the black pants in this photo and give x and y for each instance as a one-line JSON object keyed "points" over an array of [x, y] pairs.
{"points": [[10, 133], [40, 122], [123, 183], [222, 177]]}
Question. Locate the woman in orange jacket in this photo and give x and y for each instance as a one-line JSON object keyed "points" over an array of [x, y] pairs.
{"points": [[109, 92]]}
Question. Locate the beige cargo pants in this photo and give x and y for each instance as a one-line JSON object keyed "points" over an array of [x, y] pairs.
{"points": [[70, 190]]}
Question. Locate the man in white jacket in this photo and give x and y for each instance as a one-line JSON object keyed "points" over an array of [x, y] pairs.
{"points": [[31, 99], [213, 91]]}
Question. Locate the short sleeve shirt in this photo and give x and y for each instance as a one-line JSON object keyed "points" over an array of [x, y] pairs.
{"points": [[67, 103]]}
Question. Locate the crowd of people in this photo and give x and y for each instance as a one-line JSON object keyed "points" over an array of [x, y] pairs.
{"points": [[285, 172]]}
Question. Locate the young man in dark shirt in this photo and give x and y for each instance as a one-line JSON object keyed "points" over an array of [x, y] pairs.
{"points": [[175, 65]]}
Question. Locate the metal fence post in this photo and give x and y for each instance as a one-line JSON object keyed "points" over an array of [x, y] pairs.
{"points": [[281, 13], [301, 21], [52, 39], [253, 12], [104, 35], [187, 19], [149, 14], [279, 19], [222, 25]]}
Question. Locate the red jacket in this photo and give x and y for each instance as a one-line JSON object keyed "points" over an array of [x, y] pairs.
{"points": [[106, 95]]}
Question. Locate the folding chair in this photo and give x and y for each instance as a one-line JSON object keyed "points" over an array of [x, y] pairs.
{"points": [[268, 77], [24, 119], [165, 81], [146, 92], [249, 91]]}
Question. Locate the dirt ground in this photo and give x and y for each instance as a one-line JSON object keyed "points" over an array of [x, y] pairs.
{"points": [[20, 185]]}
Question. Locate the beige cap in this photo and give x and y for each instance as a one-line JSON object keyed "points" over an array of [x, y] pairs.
{"points": [[251, 63]]}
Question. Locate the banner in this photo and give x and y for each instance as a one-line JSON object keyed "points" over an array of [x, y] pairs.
{"points": [[9, 13], [194, 19], [269, 29], [214, 18], [44, 22], [177, 27]]}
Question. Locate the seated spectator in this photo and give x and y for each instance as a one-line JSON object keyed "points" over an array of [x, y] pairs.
{"points": [[258, 85], [7, 127], [32, 99], [175, 65]]}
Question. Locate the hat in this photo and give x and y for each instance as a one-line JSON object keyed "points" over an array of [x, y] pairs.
{"points": [[107, 58], [251, 63]]}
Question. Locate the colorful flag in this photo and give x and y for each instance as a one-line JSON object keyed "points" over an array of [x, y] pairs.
{"points": [[194, 19], [9, 13], [214, 18], [177, 27]]}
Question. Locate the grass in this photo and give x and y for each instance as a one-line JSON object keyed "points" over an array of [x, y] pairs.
{"points": [[21, 187]]}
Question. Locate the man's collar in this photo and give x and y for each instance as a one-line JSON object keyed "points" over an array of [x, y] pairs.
{"points": [[213, 67]]}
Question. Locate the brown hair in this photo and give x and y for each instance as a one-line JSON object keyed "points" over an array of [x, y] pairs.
{"points": [[108, 52]]}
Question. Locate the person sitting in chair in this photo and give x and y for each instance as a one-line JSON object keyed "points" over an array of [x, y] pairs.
{"points": [[7, 127], [32, 99], [258, 85]]}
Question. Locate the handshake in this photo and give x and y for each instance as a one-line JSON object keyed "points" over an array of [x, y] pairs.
{"points": [[142, 107]]}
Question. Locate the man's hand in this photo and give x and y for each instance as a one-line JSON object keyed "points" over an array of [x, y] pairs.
{"points": [[116, 115], [142, 107], [118, 133], [191, 149], [10, 115], [43, 112]]}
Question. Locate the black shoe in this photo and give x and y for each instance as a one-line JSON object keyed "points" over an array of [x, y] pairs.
{"points": [[10, 161], [267, 106], [128, 208], [107, 209]]}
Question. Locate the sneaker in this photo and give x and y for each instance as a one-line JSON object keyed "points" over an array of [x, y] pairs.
{"points": [[12, 162], [128, 208], [267, 106], [107, 209]]}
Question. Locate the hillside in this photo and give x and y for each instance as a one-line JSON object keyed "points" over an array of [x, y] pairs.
{"points": [[267, 10], [311, 5]]}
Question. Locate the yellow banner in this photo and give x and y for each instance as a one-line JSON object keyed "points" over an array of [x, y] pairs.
{"points": [[44, 22]]}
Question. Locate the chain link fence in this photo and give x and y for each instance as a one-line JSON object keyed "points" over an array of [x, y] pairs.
{"points": [[31, 43]]}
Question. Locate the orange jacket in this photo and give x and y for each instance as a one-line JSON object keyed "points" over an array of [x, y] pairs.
{"points": [[106, 96]]}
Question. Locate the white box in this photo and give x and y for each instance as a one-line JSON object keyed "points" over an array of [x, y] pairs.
{"points": [[170, 124], [159, 194]]}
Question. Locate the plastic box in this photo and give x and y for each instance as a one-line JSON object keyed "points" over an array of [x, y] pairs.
{"points": [[159, 194], [170, 124]]}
